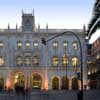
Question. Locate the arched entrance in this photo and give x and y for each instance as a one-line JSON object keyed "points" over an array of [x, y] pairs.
{"points": [[65, 82], [55, 83], [74, 83], [19, 80], [36, 81], [1, 83]]}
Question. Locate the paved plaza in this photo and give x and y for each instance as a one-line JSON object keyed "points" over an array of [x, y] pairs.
{"points": [[52, 95]]}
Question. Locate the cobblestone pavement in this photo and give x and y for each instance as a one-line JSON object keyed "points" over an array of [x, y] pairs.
{"points": [[52, 95]]}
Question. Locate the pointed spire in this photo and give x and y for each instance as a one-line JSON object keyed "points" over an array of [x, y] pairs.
{"points": [[22, 12], [33, 11], [8, 26], [47, 26], [16, 26], [38, 26]]}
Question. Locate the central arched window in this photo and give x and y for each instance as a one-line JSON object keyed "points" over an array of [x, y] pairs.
{"points": [[75, 61], [64, 60], [27, 60], [27, 44], [55, 60]]}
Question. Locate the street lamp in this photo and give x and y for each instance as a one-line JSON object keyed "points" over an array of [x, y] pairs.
{"points": [[81, 68]]}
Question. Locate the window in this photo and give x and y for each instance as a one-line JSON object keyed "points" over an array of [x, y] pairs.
{"points": [[36, 60], [55, 61], [19, 60], [27, 44], [75, 45], [65, 44], [1, 44], [27, 60], [64, 60], [74, 61], [35, 44], [19, 44], [55, 44], [1, 61]]}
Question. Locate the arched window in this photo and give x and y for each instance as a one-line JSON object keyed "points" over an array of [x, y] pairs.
{"points": [[55, 60], [1, 44], [1, 60], [27, 60], [27, 44], [55, 44], [65, 44], [36, 60], [75, 45], [64, 60], [19, 44], [75, 61], [35, 44], [19, 60]]}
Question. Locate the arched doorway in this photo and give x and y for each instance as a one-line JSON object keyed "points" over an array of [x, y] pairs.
{"points": [[65, 82], [1, 83], [55, 83], [19, 80], [36, 81], [74, 83]]}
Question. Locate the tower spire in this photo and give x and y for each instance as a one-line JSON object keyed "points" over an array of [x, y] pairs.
{"points": [[33, 11], [8, 26]]}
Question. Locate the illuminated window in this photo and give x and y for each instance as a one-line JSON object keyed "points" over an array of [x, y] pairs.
{"points": [[1, 61], [27, 44], [65, 44], [64, 60], [55, 44], [19, 60], [19, 44], [75, 45], [55, 61], [27, 60], [1, 44], [36, 60], [36, 44], [74, 61]]}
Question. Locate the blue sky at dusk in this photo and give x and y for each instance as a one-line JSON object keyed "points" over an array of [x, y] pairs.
{"points": [[57, 13]]}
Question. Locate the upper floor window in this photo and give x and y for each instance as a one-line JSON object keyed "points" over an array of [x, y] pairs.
{"points": [[36, 60], [27, 60], [65, 44], [55, 61], [19, 60], [1, 60], [75, 61], [19, 44], [1, 44], [36, 44], [64, 60], [55, 44], [27, 44], [75, 45]]}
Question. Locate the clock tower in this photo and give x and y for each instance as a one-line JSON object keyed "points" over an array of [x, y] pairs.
{"points": [[28, 22]]}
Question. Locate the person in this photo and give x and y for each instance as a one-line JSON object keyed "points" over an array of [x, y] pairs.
{"points": [[80, 95]]}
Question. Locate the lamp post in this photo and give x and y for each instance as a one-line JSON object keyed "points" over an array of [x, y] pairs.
{"points": [[81, 59]]}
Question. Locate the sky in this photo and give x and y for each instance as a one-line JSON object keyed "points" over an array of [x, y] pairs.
{"points": [[61, 14]]}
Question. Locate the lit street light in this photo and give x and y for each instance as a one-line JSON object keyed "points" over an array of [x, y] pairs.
{"points": [[44, 41]]}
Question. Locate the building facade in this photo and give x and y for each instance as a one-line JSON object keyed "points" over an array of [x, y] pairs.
{"points": [[26, 62], [94, 65]]}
